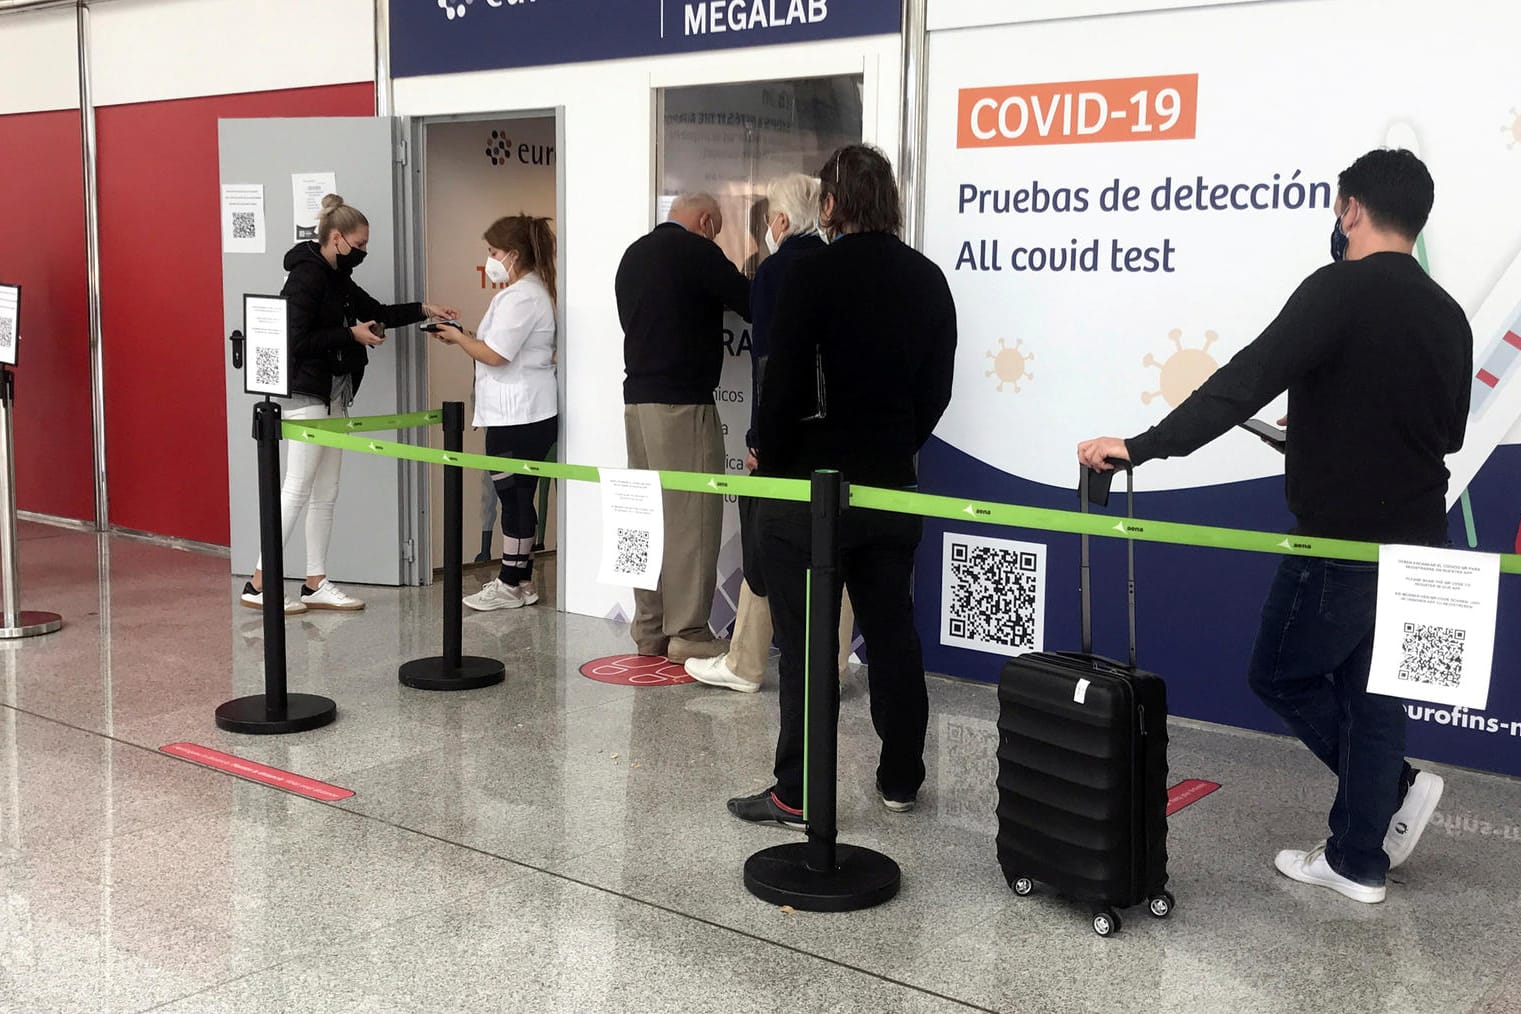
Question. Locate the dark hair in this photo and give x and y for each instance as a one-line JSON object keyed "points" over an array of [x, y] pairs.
{"points": [[860, 179], [1395, 188], [533, 241]]}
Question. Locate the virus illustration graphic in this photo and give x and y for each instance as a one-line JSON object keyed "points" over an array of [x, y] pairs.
{"points": [[1183, 371], [1011, 366]]}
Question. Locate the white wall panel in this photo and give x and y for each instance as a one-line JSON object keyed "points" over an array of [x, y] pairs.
{"points": [[38, 66], [151, 50]]}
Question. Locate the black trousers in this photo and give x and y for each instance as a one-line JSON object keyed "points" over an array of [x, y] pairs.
{"points": [[520, 518], [877, 562]]}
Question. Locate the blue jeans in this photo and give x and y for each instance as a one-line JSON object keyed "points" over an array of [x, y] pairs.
{"points": [[1310, 665]]}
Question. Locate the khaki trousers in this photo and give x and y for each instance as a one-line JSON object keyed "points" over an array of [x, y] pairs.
{"points": [[681, 438], [750, 648]]}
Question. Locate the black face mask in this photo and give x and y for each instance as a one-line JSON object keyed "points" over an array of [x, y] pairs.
{"points": [[351, 260], [1338, 241]]}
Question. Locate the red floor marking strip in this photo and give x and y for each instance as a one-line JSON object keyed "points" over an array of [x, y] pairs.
{"points": [[1489, 379], [255, 772], [1187, 792]]}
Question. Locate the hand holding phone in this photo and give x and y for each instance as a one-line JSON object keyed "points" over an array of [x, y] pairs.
{"points": [[1269, 434]]}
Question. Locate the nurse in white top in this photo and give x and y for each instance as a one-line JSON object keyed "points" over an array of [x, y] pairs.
{"points": [[515, 390]]}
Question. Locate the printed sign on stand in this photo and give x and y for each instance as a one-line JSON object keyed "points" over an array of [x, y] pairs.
{"points": [[1435, 636], [633, 528], [266, 370], [10, 322]]}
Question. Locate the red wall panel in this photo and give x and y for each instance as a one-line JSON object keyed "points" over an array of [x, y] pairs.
{"points": [[42, 249], [161, 295]]}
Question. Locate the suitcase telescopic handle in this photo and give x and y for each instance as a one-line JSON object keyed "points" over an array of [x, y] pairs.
{"points": [[1093, 486]]}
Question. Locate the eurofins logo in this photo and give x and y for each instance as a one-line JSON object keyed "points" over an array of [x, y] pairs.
{"points": [[456, 9]]}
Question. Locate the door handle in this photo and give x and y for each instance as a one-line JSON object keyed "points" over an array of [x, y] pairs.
{"points": [[237, 349]]}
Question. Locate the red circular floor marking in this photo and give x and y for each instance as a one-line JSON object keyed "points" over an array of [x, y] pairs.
{"points": [[636, 671]]}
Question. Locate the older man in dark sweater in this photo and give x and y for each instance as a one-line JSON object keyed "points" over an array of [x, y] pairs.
{"points": [[673, 287], [1378, 363]]}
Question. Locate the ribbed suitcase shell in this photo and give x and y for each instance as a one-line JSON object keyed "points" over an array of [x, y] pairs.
{"points": [[1082, 767], [1082, 787]]}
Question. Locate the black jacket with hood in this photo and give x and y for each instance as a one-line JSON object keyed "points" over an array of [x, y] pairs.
{"points": [[322, 303]]}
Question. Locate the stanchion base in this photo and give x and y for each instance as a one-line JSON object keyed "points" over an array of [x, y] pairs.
{"points": [[250, 715], [861, 878], [432, 674], [32, 624]]}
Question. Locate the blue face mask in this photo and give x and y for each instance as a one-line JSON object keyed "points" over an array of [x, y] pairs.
{"points": [[1338, 241]]}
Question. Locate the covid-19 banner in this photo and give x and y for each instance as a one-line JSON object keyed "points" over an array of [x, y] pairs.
{"points": [[1121, 204]]}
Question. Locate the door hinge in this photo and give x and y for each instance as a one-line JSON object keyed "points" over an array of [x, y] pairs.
{"points": [[408, 551], [401, 152]]}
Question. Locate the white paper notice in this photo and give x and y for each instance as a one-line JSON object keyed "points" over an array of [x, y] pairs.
{"points": [[307, 191], [266, 369], [633, 528], [10, 323], [663, 207], [242, 218], [1435, 636]]}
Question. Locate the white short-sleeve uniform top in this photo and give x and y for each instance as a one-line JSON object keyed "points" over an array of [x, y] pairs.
{"points": [[520, 326]]}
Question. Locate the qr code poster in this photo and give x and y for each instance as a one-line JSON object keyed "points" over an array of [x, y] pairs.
{"points": [[266, 362], [633, 528], [992, 595], [10, 322], [1434, 639], [243, 218]]}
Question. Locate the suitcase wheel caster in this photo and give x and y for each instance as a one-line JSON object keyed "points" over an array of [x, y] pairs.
{"points": [[1106, 923], [1022, 885], [1161, 906]]}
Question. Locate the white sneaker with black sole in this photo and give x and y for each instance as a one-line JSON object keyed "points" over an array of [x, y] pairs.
{"points": [[1411, 818], [329, 596], [495, 594], [1312, 867], [254, 599]]}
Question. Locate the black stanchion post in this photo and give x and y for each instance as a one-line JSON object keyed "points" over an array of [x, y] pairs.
{"points": [[275, 710], [820, 875], [453, 670]]}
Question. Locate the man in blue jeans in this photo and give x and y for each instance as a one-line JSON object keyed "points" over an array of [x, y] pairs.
{"points": [[1377, 361]]}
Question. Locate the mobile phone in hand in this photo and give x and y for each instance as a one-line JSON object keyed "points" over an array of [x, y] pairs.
{"points": [[1268, 433]]}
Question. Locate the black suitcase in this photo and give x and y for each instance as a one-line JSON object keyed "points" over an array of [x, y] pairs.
{"points": [[1082, 767]]}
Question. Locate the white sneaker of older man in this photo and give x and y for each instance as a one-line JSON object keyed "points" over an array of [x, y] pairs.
{"points": [[715, 672], [1312, 867]]}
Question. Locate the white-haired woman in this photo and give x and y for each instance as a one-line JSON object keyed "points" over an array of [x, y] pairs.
{"points": [[791, 233]]}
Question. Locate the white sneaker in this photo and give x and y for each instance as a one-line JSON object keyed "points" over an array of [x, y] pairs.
{"points": [[496, 595], [330, 596], [255, 600], [1411, 818], [715, 672], [528, 593], [1312, 868]]}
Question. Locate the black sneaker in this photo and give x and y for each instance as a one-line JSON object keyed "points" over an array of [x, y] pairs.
{"points": [[764, 808], [895, 802]]}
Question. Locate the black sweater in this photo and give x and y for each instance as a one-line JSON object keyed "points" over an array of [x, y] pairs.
{"points": [[882, 316], [673, 287], [1378, 362], [321, 304]]}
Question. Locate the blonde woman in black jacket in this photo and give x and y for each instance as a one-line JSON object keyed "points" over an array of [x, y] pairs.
{"points": [[333, 323]]}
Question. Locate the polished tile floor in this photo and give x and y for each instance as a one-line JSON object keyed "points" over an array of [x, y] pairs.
{"points": [[557, 844]]}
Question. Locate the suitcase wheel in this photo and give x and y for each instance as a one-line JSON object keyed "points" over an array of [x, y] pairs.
{"points": [[1106, 922], [1022, 885], [1161, 905]]}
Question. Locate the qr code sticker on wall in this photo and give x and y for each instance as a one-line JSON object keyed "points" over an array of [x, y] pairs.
{"points": [[244, 225], [992, 594], [267, 369], [633, 553], [1432, 655]]}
